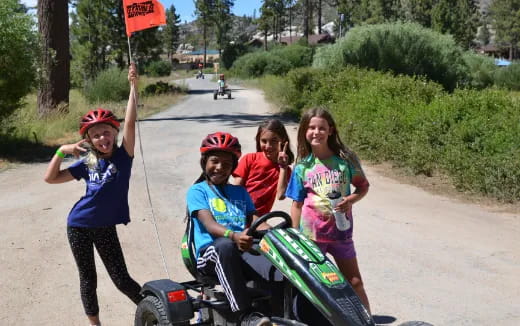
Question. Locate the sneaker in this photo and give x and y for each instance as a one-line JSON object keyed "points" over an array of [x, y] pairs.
{"points": [[255, 319]]}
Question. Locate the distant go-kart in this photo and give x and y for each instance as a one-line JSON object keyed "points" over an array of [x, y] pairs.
{"points": [[222, 90], [200, 74], [328, 296]]}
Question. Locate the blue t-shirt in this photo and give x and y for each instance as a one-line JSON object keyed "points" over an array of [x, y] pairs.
{"points": [[230, 210], [105, 202]]}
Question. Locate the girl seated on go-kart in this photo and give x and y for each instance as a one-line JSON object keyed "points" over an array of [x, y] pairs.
{"points": [[221, 82], [220, 213]]}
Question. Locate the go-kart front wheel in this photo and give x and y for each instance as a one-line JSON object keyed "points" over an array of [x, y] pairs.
{"points": [[150, 311], [215, 94]]}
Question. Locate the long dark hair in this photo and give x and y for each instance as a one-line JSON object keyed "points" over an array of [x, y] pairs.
{"points": [[276, 126], [333, 141]]}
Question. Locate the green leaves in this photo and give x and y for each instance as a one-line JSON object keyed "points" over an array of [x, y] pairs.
{"points": [[17, 51]]}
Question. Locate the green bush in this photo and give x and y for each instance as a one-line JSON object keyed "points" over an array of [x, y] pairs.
{"points": [[508, 77], [251, 65], [158, 69], [468, 135], [402, 48], [109, 85], [278, 61], [480, 70], [17, 69], [231, 52], [297, 55], [161, 88]]}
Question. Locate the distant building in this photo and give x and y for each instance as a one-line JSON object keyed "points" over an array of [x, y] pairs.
{"points": [[196, 56]]}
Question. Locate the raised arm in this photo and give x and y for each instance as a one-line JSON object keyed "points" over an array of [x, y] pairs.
{"points": [[54, 174], [131, 112], [283, 160]]}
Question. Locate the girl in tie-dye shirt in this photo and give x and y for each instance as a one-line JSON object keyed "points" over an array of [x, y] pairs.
{"points": [[325, 165]]}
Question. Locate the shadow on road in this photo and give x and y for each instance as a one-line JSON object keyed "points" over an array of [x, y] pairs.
{"points": [[199, 91], [242, 120], [18, 150]]}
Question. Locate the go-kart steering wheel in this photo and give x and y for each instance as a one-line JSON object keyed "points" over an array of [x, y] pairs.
{"points": [[258, 234]]}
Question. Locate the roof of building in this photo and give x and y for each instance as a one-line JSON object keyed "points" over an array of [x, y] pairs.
{"points": [[201, 52]]}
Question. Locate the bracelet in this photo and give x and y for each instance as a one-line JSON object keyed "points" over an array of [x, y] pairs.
{"points": [[226, 233], [60, 153]]}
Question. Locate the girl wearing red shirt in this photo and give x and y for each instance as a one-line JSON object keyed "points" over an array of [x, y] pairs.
{"points": [[266, 172]]}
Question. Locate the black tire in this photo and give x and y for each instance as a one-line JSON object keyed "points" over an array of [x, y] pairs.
{"points": [[229, 95], [150, 311], [215, 94]]}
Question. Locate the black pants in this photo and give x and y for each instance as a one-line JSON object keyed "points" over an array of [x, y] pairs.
{"points": [[82, 242], [234, 269]]}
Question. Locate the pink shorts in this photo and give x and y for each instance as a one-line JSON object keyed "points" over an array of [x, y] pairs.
{"points": [[339, 250]]}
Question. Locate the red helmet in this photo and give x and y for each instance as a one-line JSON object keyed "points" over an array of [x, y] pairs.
{"points": [[221, 141], [221, 76], [96, 116]]}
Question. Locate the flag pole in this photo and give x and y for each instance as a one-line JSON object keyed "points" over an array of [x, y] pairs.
{"points": [[146, 174]]}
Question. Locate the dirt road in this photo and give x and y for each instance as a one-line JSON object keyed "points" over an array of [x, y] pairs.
{"points": [[423, 257]]}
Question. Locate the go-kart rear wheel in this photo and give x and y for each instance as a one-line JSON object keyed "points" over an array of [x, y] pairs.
{"points": [[215, 94], [150, 311], [229, 95]]}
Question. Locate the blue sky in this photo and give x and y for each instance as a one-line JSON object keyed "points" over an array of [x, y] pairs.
{"points": [[186, 8]]}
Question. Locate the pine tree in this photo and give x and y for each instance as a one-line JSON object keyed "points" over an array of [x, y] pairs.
{"points": [[170, 33], [222, 18], [203, 13], [505, 18]]}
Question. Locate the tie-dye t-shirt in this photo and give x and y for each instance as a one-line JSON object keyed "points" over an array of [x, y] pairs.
{"points": [[311, 181]]}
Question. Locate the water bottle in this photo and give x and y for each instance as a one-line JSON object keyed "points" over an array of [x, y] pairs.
{"points": [[342, 223]]}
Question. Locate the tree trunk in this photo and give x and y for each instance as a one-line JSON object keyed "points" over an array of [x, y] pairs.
{"points": [[306, 20], [205, 41], [53, 26], [290, 24], [319, 17]]}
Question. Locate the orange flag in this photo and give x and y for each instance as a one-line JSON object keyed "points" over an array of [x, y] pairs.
{"points": [[143, 14]]}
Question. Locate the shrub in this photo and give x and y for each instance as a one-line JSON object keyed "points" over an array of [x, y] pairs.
{"points": [[297, 55], [17, 46], [231, 52], [158, 69], [251, 65], [278, 61], [468, 135], [480, 70], [161, 87], [276, 65], [403, 48], [508, 77], [109, 85]]}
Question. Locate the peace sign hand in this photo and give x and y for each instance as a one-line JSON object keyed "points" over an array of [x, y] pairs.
{"points": [[75, 149], [283, 158]]}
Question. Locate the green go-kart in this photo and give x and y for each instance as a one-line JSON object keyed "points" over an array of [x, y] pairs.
{"points": [[314, 291]]}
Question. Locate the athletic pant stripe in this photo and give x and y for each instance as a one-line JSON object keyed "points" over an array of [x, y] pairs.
{"points": [[211, 255]]}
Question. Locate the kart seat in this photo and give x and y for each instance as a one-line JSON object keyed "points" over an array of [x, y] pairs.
{"points": [[188, 255]]}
